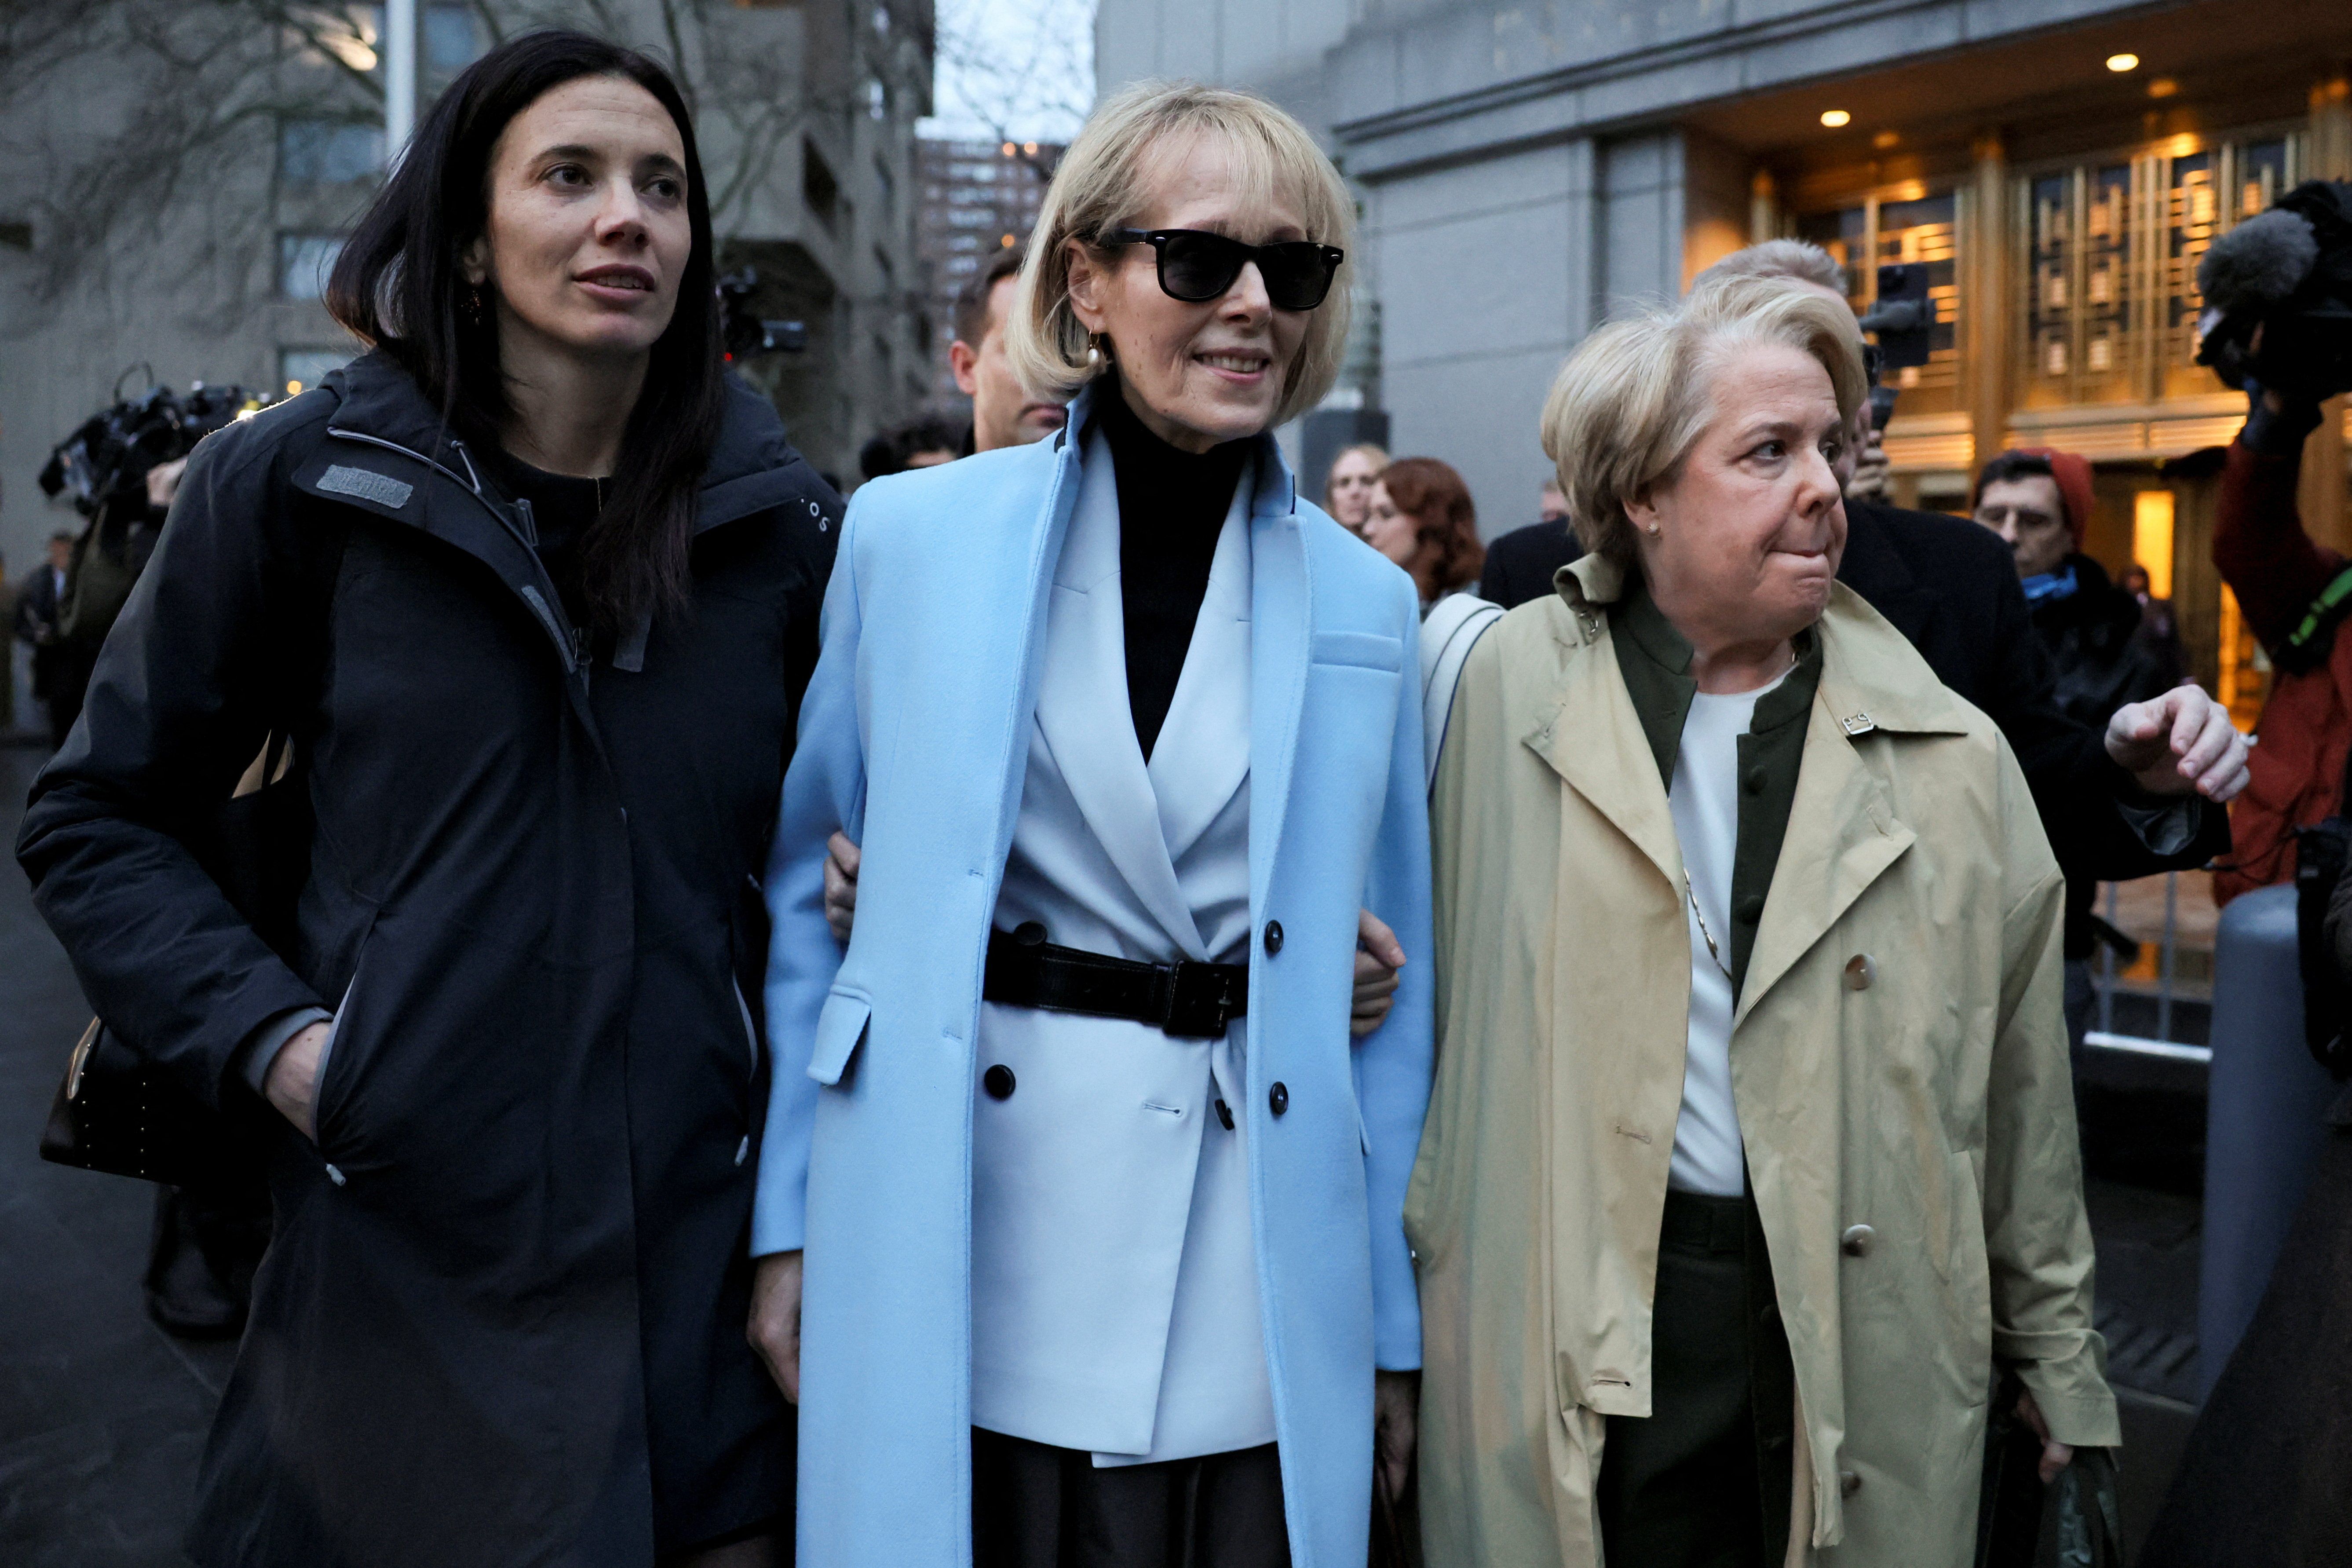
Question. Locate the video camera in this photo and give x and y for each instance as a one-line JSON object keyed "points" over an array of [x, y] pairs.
{"points": [[1904, 321], [2287, 273], [743, 332], [107, 459]]}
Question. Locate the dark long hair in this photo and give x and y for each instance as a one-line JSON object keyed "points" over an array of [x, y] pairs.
{"points": [[397, 286]]}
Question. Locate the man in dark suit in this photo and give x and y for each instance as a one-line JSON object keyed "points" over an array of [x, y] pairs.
{"points": [[40, 599], [1520, 563]]}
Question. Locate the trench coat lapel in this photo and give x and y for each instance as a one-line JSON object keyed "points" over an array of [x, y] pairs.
{"points": [[1282, 600], [1083, 709], [1843, 835], [1202, 756], [1842, 830], [1611, 767]]}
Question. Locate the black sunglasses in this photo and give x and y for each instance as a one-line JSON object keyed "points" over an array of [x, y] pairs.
{"points": [[1196, 266]]}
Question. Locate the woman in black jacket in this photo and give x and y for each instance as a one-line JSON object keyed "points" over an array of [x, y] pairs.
{"points": [[534, 589]]}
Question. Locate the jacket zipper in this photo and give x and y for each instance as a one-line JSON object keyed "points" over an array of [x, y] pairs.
{"points": [[568, 641]]}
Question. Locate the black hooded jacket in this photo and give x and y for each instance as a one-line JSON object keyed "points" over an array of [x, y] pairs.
{"points": [[501, 1320]]}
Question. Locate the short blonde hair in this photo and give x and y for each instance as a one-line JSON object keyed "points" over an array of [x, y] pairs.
{"points": [[1102, 185], [1636, 395]]}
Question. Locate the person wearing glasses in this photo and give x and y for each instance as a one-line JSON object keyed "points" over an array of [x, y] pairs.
{"points": [[1079, 1213]]}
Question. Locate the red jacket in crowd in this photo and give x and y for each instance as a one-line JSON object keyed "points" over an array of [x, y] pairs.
{"points": [[2295, 776]]}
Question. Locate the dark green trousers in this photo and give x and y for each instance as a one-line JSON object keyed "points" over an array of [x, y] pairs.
{"points": [[1703, 1480]]}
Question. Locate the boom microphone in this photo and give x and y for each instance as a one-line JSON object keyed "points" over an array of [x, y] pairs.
{"points": [[2278, 296], [2258, 264]]}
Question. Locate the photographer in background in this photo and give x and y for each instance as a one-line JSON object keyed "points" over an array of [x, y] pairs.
{"points": [[2291, 592], [2278, 323], [2262, 1477]]}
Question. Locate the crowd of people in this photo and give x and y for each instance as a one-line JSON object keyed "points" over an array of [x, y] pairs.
{"points": [[1083, 1010]]}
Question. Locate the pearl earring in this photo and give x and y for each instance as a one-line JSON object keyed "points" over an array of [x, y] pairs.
{"points": [[1653, 530], [1095, 355]]}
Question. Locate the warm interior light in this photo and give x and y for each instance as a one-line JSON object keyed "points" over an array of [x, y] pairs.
{"points": [[2123, 62], [1833, 118], [1885, 139], [1005, 243], [2163, 86], [2152, 539], [293, 389]]}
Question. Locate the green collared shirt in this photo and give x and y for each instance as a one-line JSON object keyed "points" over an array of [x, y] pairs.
{"points": [[1654, 660]]}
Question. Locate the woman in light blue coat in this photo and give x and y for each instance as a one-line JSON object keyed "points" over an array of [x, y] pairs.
{"points": [[1099, 1199]]}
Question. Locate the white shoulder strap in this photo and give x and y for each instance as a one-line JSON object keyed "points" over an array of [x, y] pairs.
{"points": [[1452, 628]]}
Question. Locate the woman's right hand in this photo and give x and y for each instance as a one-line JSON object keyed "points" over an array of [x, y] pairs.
{"points": [[292, 1082], [774, 1330], [1379, 956]]}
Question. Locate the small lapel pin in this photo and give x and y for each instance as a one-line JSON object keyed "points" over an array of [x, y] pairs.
{"points": [[1857, 725]]}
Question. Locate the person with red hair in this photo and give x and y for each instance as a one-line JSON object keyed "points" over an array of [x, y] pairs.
{"points": [[1422, 518]]}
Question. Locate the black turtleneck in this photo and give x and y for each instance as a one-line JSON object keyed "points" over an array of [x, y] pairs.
{"points": [[1172, 506]]}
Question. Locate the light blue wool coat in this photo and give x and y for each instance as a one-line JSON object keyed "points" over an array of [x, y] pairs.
{"points": [[914, 739]]}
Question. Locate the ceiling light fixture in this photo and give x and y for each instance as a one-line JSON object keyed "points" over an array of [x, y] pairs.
{"points": [[2123, 62], [1836, 117]]}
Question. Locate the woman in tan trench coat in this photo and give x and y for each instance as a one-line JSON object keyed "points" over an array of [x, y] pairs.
{"points": [[1752, 1151]]}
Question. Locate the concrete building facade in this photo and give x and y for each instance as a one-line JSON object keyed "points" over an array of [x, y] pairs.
{"points": [[1524, 166], [978, 198], [805, 113]]}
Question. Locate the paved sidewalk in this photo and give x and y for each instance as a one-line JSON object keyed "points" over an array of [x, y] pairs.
{"points": [[101, 1414]]}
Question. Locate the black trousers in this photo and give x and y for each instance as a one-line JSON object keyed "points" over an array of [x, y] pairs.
{"points": [[1034, 1506], [1703, 1480]]}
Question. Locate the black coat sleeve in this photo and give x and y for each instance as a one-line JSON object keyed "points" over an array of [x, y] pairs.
{"points": [[189, 684], [2076, 786]]}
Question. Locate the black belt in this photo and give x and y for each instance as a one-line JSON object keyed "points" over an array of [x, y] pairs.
{"points": [[1194, 1001]]}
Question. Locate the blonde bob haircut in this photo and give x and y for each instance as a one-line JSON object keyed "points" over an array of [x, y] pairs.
{"points": [[1630, 403], [1104, 183]]}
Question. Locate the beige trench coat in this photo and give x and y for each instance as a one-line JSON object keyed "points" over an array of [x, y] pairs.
{"points": [[1898, 1063]]}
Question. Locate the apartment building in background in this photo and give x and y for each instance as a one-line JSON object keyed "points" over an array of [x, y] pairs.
{"points": [[978, 198], [2060, 166], [231, 193]]}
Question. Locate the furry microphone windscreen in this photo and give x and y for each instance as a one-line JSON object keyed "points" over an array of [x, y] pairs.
{"points": [[2258, 263]]}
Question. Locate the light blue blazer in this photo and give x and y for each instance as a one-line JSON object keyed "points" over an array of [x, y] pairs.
{"points": [[914, 739]]}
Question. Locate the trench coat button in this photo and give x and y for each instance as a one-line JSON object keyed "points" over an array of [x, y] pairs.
{"points": [[334, 1175], [1225, 1115], [1278, 1098], [1751, 909], [1272, 938], [1860, 971], [1857, 1240], [1030, 933], [998, 1081], [1753, 781], [1848, 1483]]}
